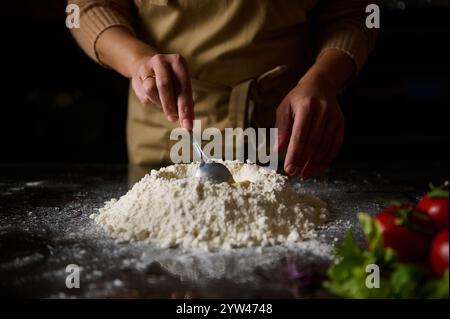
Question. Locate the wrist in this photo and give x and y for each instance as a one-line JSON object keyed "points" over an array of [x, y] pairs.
{"points": [[137, 57], [332, 68], [120, 50], [319, 79]]}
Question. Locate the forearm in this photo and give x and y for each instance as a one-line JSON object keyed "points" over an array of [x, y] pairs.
{"points": [[333, 66], [107, 34], [120, 50], [340, 25]]}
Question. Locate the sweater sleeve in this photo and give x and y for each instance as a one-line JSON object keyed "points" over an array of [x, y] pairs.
{"points": [[340, 24], [96, 16]]}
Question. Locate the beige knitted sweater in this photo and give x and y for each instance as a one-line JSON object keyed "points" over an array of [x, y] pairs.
{"points": [[339, 24]]}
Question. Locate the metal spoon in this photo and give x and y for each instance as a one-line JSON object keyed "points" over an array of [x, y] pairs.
{"points": [[208, 169]]}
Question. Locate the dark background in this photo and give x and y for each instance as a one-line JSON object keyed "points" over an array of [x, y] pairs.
{"points": [[57, 106]]}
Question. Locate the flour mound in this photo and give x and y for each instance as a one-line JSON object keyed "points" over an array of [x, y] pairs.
{"points": [[172, 208]]}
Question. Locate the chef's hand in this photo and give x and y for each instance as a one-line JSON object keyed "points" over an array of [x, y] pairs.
{"points": [[311, 125], [160, 79], [163, 80], [309, 120]]}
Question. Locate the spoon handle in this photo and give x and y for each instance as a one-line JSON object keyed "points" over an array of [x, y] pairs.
{"points": [[198, 149]]}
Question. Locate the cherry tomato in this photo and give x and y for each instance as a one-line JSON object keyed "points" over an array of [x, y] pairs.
{"points": [[436, 208], [409, 235], [439, 253]]}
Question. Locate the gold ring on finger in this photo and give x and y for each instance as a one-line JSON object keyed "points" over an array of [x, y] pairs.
{"points": [[148, 77]]}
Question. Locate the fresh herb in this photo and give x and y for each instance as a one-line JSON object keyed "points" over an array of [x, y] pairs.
{"points": [[440, 191], [347, 276]]}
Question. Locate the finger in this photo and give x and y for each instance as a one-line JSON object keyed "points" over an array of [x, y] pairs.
{"points": [[185, 102], [310, 165], [148, 84], [165, 89], [321, 158], [340, 133], [151, 90], [307, 170], [338, 139], [313, 142], [299, 135], [283, 123], [139, 91]]}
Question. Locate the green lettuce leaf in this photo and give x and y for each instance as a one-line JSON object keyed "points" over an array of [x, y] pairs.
{"points": [[347, 276]]}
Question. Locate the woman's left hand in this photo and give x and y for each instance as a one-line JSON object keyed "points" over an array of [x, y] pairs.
{"points": [[310, 125]]}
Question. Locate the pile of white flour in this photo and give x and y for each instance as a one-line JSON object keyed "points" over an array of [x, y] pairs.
{"points": [[172, 208]]}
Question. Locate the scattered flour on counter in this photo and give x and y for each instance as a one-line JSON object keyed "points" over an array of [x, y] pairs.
{"points": [[172, 208]]}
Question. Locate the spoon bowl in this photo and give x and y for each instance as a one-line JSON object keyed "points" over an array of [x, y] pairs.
{"points": [[214, 171], [209, 170]]}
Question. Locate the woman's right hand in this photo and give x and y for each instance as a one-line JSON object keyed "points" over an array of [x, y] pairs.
{"points": [[163, 80]]}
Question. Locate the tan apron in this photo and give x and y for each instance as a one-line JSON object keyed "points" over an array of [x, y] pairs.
{"points": [[243, 56]]}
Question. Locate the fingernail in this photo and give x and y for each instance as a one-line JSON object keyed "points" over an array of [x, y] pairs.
{"points": [[187, 124], [290, 169], [172, 118]]}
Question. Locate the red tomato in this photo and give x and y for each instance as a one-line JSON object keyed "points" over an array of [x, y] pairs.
{"points": [[439, 253], [436, 208], [411, 240]]}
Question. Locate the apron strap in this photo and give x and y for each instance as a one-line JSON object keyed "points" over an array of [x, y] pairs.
{"points": [[241, 96], [238, 105]]}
